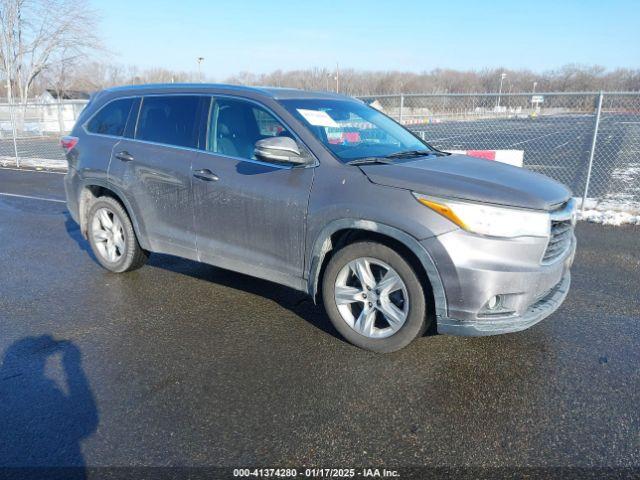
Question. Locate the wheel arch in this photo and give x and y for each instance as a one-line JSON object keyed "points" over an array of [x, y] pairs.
{"points": [[92, 190], [345, 231]]}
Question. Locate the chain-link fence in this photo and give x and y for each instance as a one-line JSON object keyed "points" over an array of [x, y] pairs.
{"points": [[589, 141], [30, 134]]}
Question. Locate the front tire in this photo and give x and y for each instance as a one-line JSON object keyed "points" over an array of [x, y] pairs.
{"points": [[374, 298], [112, 238]]}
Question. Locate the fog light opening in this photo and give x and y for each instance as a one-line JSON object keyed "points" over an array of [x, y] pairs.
{"points": [[494, 303]]}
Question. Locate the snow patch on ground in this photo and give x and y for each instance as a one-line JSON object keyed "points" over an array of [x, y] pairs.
{"points": [[35, 163], [610, 211], [609, 217]]}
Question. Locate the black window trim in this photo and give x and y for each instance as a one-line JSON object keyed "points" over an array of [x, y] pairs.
{"points": [[180, 94], [313, 164], [211, 96], [104, 105], [132, 117]]}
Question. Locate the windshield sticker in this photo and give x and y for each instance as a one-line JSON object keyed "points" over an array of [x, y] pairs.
{"points": [[317, 118]]}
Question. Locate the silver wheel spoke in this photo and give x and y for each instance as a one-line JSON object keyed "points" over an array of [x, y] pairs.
{"points": [[102, 248], [364, 323], [362, 269], [389, 283], [116, 226], [105, 221], [111, 251], [119, 243], [392, 314], [346, 295], [100, 235]]}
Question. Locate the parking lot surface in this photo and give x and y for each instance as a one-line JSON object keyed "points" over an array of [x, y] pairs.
{"points": [[181, 363]]}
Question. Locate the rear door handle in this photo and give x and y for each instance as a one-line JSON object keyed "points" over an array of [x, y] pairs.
{"points": [[124, 156], [206, 175]]}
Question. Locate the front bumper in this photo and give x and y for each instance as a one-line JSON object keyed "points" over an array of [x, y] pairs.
{"points": [[495, 326], [473, 269]]}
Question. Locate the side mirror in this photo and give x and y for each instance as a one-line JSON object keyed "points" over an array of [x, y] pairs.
{"points": [[280, 150]]}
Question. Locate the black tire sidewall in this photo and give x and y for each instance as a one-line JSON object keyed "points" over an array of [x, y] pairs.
{"points": [[416, 323], [131, 242]]}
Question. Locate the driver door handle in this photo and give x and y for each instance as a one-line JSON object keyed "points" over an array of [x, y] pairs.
{"points": [[206, 175], [124, 156]]}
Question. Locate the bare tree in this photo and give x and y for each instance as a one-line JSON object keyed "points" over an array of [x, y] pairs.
{"points": [[37, 34]]}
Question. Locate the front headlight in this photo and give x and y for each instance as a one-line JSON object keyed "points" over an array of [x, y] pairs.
{"points": [[489, 219]]}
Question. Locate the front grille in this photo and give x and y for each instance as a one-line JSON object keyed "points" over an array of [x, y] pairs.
{"points": [[560, 240]]}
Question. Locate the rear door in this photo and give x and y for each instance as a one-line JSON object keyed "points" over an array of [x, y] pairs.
{"points": [[104, 130], [250, 215], [153, 167]]}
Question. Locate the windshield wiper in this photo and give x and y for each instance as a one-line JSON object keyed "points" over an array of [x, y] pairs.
{"points": [[369, 161], [389, 159], [416, 153]]}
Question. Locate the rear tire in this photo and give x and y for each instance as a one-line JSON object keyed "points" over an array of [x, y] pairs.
{"points": [[112, 238], [374, 298]]}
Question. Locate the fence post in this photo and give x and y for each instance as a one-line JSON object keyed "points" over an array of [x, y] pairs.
{"points": [[14, 133], [401, 106], [61, 128], [593, 151]]}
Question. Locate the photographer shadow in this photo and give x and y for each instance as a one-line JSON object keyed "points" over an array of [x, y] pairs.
{"points": [[44, 421]]}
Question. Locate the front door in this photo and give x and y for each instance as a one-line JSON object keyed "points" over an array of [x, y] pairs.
{"points": [[250, 216]]}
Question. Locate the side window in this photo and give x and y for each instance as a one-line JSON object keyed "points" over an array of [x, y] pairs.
{"points": [[171, 119], [268, 126], [112, 118], [236, 125]]}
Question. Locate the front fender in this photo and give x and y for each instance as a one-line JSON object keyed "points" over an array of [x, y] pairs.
{"points": [[322, 245]]}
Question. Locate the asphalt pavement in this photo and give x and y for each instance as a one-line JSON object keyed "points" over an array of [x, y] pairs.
{"points": [[181, 363]]}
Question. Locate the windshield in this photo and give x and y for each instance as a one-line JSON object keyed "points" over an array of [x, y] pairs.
{"points": [[353, 130]]}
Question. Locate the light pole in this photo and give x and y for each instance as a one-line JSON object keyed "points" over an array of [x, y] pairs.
{"points": [[534, 105], [502, 77], [200, 60]]}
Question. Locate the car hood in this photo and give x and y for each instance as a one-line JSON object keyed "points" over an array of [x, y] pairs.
{"points": [[468, 178]]}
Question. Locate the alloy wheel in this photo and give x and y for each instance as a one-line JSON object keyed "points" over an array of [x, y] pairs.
{"points": [[371, 297], [108, 235]]}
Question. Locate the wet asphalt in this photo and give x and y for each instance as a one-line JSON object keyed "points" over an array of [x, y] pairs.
{"points": [[185, 364]]}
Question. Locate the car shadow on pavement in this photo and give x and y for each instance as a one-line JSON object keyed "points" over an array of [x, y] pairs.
{"points": [[295, 301], [44, 412]]}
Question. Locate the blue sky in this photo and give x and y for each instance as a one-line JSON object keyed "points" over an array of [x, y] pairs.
{"points": [[261, 36]]}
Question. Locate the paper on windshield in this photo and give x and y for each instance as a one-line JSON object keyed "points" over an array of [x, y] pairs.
{"points": [[317, 118]]}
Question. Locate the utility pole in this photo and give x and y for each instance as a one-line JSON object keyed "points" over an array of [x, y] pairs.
{"points": [[535, 84], [200, 60], [337, 78]]}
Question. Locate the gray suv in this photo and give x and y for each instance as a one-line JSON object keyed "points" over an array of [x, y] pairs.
{"points": [[326, 195]]}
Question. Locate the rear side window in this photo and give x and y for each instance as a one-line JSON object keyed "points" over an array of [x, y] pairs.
{"points": [[171, 119], [112, 118]]}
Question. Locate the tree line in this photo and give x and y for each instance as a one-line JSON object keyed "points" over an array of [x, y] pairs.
{"points": [[43, 47], [569, 78]]}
